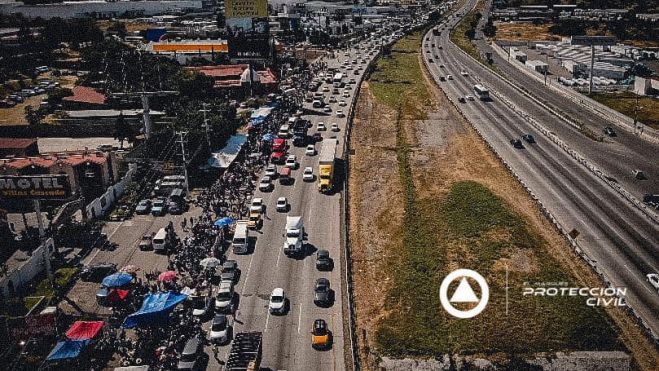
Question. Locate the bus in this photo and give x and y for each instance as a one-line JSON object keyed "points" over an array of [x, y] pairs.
{"points": [[481, 92]]}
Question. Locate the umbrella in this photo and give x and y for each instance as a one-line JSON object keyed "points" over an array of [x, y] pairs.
{"points": [[223, 222], [167, 276], [117, 280], [210, 263], [268, 137], [130, 269]]}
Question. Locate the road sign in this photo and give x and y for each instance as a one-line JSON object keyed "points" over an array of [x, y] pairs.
{"points": [[593, 40]]}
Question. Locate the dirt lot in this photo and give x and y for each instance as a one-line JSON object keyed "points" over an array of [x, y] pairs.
{"points": [[525, 32], [422, 156]]}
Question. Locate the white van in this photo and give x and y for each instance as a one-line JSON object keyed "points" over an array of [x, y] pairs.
{"points": [[240, 238], [160, 240]]}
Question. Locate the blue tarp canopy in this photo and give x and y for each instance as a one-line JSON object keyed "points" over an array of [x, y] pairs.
{"points": [[67, 349], [155, 309], [262, 113], [224, 157], [223, 222], [117, 280]]}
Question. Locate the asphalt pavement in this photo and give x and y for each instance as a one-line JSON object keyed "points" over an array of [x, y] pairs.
{"points": [[621, 241]]}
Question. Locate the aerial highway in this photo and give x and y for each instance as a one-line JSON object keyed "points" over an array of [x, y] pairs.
{"points": [[620, 240]]}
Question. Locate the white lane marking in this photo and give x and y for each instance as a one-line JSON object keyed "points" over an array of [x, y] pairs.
{"points": [[278, 257], [267, 319], [249, 269], [299, 320]]}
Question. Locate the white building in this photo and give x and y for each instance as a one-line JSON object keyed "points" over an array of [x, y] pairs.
{"points": [[537, 66]]}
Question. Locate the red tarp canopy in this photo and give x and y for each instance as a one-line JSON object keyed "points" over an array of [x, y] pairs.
{"points": [[84, 330], [117, 295]]}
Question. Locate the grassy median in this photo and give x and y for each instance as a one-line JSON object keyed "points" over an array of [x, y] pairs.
{"points": [[466, 225]]}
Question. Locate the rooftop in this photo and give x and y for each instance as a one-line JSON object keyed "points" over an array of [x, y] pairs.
{"points": [[84, 94], [16, 143]]}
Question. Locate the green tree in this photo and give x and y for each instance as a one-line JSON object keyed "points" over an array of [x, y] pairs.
{"points": [[123, 131], [33, 116], [56, 96]]}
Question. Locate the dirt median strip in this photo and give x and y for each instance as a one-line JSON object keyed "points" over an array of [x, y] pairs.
{"points": [[456, 207]]}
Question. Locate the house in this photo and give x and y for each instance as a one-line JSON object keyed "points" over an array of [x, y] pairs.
{"points": [[18, 147], [237, 76], [84, 98]]}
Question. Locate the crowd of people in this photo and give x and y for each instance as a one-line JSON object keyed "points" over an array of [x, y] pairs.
{"points": [[228, 197]]}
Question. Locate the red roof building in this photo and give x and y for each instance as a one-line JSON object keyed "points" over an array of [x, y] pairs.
{"points": [[22, 147], [230, 75], [84, 96]]}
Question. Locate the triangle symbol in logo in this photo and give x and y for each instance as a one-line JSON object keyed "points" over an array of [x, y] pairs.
{"points": [[464, 293]]}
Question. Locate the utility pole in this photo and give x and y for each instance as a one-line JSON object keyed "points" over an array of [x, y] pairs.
{"points": [[44, 249], [182, 140], [207, 126], [592, 63]]}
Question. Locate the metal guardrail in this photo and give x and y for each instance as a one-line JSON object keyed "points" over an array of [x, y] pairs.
{"points": [[575, 245]]}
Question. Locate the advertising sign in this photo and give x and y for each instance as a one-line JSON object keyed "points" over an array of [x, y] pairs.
{"points": [[33, 187], [248, 32], [245, 9]]}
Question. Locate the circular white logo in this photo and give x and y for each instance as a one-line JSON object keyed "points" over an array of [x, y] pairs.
{"points": [[464, 293]]}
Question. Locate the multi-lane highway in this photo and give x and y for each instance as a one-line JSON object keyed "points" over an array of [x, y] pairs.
{"points": [[286, 338], [623, 242]]}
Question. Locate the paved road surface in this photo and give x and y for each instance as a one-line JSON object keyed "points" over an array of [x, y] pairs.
{"points": [[623, 242]]}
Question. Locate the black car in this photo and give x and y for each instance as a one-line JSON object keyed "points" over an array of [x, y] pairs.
{"points": [[229, 271], [96, 273], [528, 138], [191, 355], [517, 143], [323, 261], [322, 293], [317, 137], [462, 100], [610, 132]]}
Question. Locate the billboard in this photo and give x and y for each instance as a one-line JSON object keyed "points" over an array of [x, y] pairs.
{"points": [[35, 187], [245, 9], [248, 32]]}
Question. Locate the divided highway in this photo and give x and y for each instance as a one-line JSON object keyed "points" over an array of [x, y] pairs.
{"points": [[622, 241]]}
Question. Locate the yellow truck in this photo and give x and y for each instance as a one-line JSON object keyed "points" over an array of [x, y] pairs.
{"points": [[326, 164]]}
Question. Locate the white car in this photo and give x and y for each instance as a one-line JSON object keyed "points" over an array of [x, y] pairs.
{"points": [[342, 103], [346, 94], [311, 150], [224, 298], [470, 97], [327, 109], [291, 161], [340, 114], [653, 278], [321, 126], [219, 329], [265, 184], [332, 99], [282, 204], [464, 73], [284, 131], [334, 127], [271, 170], [277, 303], [449, 77], [326, 89], [307, 176], [257, 205]]}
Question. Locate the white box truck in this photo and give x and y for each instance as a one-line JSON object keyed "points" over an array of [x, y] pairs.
{"points": [[240, 240]]}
